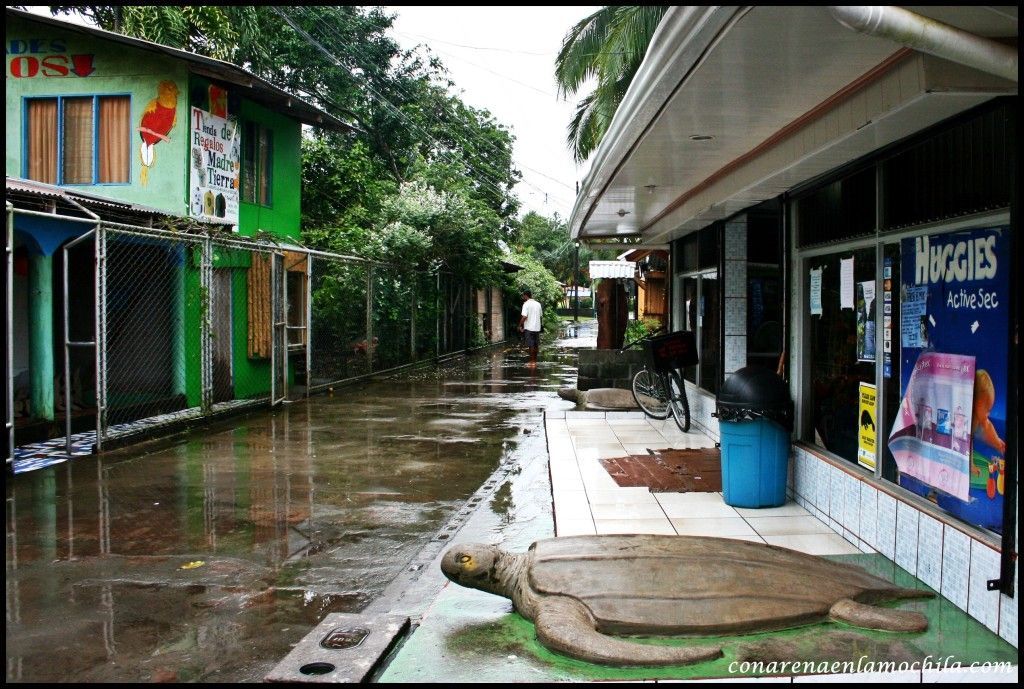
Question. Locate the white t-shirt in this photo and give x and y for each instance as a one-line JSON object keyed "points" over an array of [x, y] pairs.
{"points": [[532, 310]]}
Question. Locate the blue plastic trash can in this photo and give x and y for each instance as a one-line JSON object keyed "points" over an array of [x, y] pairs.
{"points": [[755, 416], [755, 463]]}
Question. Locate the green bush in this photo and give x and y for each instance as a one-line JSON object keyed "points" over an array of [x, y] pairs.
{"points": [[641, 328]]}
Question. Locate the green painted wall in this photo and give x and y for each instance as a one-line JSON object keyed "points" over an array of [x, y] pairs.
{"points": [[283, 217], [251, 376], [123, 70], [117, 70], [195, 308]]}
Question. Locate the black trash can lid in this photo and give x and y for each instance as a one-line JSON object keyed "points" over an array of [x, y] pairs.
{"points": [[755, 392]]}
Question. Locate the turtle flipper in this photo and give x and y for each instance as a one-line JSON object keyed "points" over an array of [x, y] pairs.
{"points": [[565, 626], [885, 619]]}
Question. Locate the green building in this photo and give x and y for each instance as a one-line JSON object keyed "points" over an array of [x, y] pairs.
{"points": [[103, 128]]}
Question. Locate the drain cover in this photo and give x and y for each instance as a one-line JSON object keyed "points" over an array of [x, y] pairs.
{"points": [[344, 638], [344, 647]]}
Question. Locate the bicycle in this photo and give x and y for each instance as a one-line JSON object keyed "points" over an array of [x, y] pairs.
{"points": [[658, 388]]}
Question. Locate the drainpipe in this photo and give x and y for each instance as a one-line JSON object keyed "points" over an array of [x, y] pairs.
{"points": [[930, 36]]}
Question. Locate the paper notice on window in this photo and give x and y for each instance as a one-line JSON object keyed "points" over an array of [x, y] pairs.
{"points": [[815, 291], [846, 283], [868, 289], [914, 317]]}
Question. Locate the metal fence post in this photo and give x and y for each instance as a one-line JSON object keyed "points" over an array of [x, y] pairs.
{"points": [[273, 329], [10, 333], [309, 324], [205, 331], [282, 332], [412, 320], [69, 343], [100, 287], [369, 316]]}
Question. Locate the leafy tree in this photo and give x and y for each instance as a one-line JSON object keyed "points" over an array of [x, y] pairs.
{"points": [[540, 282], [548, 240], [361, 190], [213, 30], [608, 46]]}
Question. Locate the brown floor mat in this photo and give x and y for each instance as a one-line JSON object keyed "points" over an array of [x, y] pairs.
{"points": [[669, 471]]}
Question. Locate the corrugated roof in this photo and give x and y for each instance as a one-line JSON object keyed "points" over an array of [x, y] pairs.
{"points": [[612, 269], [259, 89], [33, 188]]}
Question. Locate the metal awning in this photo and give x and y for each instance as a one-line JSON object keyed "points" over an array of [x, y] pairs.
{"points": [[612, 269], [736, 105]]}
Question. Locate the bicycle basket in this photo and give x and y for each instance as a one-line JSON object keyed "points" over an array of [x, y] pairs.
{"points": [[672, 351]]}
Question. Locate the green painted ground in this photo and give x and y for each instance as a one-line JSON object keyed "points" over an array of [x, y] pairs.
{"points": [[470, 636]]}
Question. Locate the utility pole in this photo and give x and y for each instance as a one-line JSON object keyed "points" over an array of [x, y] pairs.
{"points": [[576, 284]]}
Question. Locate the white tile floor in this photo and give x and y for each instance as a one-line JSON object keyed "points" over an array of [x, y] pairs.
{"points": [[588, 501]]}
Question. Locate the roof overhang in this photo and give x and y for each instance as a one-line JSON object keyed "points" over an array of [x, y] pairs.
{"points": [[784, 93], [257, 89]]}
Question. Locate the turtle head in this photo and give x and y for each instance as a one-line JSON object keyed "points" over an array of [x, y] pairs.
{"points": [[476, 566]]}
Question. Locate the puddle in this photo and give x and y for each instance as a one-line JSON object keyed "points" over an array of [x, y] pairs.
{"points": [[293, 513]]}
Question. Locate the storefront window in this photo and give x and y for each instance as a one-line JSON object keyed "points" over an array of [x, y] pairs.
{"points": [[842, 345], [699, 307], [930, 326], [948, 398]]}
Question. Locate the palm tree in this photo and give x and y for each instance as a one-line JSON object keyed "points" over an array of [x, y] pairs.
{"points": [[609, 45]]}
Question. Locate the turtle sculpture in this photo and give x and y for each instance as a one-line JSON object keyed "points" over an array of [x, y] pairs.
{"points": [[600, 399], [579, 590]]}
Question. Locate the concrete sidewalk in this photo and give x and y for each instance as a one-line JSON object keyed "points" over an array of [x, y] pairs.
{"points": [[468, 636], [588, 501]]}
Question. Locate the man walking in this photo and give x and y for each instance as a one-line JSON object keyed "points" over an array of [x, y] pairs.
{"points": [[530, 324]]}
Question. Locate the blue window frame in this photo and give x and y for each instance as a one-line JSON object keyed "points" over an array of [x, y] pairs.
{"points": [[77, 139]]}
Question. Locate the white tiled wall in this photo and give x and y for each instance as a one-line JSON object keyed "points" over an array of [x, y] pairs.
{"points": [[943, 557], [869, 515], [886, 528], [1008, 614], [907, 519], [929, 551], [956, 565], [982, 604]]}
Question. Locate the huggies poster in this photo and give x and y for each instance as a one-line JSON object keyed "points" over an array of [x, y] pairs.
{"points": [[954, 373]]}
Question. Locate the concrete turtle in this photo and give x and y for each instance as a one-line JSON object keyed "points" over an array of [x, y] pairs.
{"points": [[580, 590]]}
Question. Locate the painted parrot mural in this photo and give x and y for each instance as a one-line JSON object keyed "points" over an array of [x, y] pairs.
{"points": [[158, 119]]}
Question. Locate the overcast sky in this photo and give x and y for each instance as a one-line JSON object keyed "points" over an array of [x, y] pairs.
{"points": [[502, 60]]}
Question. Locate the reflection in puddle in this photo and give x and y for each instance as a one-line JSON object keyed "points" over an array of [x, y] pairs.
{"points": [[206, 557]]}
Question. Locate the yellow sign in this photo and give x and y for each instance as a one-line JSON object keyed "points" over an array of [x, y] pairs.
{"points": [[868, 432]]}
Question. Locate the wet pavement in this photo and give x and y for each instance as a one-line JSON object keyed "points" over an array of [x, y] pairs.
{"points": [[208, 556]]}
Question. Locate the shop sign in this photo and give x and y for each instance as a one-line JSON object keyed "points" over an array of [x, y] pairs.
{"points": [[39, 57], [954, 356], [214, 166]]}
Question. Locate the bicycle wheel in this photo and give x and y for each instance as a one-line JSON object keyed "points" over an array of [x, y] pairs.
{"points": [[651, 394], [678, 403]]}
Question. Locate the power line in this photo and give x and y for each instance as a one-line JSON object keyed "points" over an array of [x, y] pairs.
{"points": [[474, 47], [384, 102], [484, 144]]}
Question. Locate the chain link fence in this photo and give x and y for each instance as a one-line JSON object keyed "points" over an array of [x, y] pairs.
{"points": [[155, 327], [182, 325]]}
